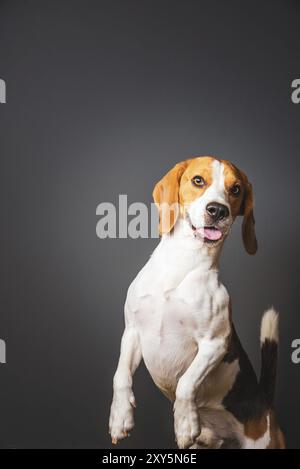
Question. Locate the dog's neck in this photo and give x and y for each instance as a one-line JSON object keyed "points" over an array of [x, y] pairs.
{"points": [[183, 247]]}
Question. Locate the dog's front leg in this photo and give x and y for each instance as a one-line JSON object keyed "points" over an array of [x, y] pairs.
{"points": [[186, 414], [121, 413]]}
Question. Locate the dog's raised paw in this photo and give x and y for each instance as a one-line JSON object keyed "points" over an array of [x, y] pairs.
{"points": [[121, 420], [186, 423]]}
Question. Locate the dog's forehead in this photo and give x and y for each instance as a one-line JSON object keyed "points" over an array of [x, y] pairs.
{"points": [[210, 167], [231, 173], [200, 166]]}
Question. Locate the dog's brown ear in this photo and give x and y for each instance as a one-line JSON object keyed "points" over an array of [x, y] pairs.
{"points": [[248, 225], [166, 197]]}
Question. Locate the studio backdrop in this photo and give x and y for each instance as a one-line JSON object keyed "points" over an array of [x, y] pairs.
{"points": [[99, 100]]}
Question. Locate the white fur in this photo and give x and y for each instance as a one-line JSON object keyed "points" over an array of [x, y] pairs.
{"points": [[121, 413], [177, 319], [180, 311], [270, 326]]}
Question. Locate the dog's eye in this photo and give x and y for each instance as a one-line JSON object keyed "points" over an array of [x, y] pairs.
{"points": [[198, 181], [235, 190]]}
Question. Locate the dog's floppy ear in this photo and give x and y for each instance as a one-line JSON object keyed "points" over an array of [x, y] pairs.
{"points": [[248, 225], [166, 197]]}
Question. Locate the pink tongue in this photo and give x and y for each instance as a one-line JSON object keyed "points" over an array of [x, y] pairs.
{"points": [[212, 233]]}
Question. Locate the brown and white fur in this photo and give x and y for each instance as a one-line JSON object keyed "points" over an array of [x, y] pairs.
{"points": [[178, 318]]}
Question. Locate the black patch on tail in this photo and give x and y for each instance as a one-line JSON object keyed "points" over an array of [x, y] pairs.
{"points": [[243, 400], [267, 381]]}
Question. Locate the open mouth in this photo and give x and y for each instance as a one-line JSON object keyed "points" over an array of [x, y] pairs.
{"points": [[210, 234]]}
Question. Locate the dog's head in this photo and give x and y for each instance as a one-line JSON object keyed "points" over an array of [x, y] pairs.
{"points": [[209, 194]]}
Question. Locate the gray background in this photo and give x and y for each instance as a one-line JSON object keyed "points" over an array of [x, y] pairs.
{"points": [[102, 98]]}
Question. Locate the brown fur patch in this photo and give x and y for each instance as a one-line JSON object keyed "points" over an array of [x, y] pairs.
{"points": [[201, 166], [233, 176], [256, 428], [243, 205]]}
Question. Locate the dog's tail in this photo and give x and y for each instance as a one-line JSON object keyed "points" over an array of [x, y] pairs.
{"points": [[269, 336]]}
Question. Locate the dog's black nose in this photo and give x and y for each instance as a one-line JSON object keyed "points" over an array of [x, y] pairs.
{"points": [[217, 211]]}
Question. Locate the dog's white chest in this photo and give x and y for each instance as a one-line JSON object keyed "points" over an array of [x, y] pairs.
{"points": [[174, 307]]}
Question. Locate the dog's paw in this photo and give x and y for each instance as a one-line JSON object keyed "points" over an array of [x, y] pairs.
{"points": [[208, 439], [121, 420], [186, 423]]}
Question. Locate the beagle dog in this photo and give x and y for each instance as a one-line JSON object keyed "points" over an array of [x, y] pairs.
{"points": [[178, 318]]}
